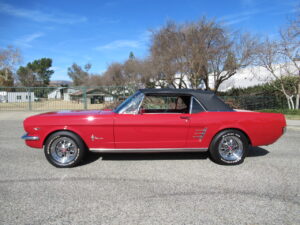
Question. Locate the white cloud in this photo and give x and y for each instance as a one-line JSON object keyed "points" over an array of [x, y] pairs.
{"points": [[26, 40], [140, 42], [235, 21], [240, 17], [120, 44], [40, 16]]}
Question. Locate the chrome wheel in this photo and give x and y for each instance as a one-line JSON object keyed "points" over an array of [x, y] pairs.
{"points": [[64, 150], [231, 148]]}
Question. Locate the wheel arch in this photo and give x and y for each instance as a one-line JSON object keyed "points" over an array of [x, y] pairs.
{"points": [[65, 130], [233, 128]]}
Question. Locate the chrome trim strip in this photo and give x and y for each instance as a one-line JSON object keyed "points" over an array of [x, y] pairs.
{"points": [[191, 105], [30, 138], [147, 150]]}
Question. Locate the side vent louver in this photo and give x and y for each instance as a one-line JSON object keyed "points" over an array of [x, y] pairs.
{"points": [[199, 133]]}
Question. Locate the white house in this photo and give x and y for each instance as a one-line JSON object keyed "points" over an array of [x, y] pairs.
{"points": [[246, 77], [16, 96], [61, 93]]}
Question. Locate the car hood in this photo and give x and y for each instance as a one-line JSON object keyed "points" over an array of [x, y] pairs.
{"points": [[77, 113]]}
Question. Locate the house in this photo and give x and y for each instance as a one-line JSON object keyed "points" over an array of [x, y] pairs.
{"points": [[245, 77], [16, 96], [256, 75], [62, 93], [93, 96]]}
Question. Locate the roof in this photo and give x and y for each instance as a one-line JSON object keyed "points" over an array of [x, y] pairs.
{"points": [[208, 99], [80, 92]]}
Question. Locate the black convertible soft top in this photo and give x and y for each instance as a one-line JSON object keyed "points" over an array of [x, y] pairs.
{"points": [[208, 99]]}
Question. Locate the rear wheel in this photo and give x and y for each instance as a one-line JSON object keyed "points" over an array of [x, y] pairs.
{"points": [[64, 149], [229, 147]]}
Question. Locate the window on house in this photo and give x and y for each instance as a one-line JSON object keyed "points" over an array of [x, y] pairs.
{"points": [[19, 97]]}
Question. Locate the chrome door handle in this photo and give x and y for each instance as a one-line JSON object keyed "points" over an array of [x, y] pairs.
{"points": [[185, 117]]}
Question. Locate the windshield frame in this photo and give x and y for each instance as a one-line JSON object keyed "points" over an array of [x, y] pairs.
{"points": [[120, 109]]}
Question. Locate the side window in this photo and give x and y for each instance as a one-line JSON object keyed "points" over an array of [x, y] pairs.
{"points": [[196, 107], [165, 104]]}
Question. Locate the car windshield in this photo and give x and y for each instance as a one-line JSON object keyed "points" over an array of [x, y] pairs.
{"points": [[131, 104]]}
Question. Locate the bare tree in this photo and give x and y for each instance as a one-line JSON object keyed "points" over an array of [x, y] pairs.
{"points": [[270, 57], [290, 51], [132, 71], [9, 59], [167, 55], [282, 59], [200, 51], [114, 75]]}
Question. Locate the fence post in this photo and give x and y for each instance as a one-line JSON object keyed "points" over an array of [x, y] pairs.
{"points": [[84, 98], [29, 99]]}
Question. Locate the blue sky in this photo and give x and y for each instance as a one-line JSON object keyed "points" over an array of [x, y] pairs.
{"points": [[101, 32]]}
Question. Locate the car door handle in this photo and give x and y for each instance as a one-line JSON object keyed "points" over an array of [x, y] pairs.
{"points": [[185, 117]]}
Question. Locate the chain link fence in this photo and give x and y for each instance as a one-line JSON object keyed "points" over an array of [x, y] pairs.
{"points": [[78, 98], [61, 98], [255, 102]]}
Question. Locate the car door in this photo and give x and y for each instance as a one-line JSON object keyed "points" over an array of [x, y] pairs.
{"points": [[154, 127], [198, 126]]}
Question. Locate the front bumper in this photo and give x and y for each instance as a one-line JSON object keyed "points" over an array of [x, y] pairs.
{"points": [[30, 138]]}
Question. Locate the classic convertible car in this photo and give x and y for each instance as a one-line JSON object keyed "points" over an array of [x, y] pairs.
{"points": [[154, 120]]}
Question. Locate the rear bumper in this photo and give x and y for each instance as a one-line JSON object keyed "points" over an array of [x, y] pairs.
{"points": [[30, 138]]}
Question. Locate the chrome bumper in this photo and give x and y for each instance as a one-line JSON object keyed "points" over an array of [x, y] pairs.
{"points": [[283, 130], [30, 138]]}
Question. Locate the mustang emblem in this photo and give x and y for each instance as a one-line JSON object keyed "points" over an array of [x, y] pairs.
{"points": [[93, 137]]}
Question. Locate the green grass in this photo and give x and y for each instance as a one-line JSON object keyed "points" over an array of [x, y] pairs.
{"points": [[289, 114]]}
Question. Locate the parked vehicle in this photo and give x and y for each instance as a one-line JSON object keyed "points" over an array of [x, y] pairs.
{"points": [[154, 120]]}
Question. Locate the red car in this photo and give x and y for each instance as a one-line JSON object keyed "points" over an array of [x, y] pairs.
{"points": [[154, 120]]}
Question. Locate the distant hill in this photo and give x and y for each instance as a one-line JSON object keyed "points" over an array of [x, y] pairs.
{"points": [[58, 83]]}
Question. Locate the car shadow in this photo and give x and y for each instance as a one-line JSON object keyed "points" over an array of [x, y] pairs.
{"points": [[257, 151], [92, 157]]}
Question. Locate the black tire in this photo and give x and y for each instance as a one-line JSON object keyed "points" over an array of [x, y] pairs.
{"points": [[64, 149], [229, 147]]}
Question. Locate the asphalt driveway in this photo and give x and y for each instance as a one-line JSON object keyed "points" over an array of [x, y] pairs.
{"points": [[177, 188]]}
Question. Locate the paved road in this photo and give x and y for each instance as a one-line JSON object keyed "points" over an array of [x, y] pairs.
{"points": [[149, 189]]}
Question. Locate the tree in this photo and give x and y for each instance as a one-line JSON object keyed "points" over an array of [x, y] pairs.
{"points": [[167, 55], [9, 58], [78, 75], [114, 75], [200, 51], [41, 69], [6, 78], [281, 58], [290, 51], [131, 56], [27, 77], [36, 73]]}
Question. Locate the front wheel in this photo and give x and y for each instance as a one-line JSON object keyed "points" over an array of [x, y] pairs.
{"points": [[64, 149], [229, 147]]}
